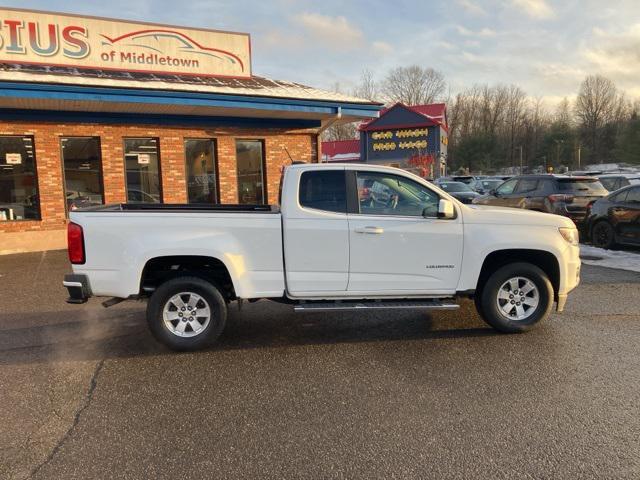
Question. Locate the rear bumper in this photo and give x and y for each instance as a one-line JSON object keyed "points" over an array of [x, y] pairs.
{"points": [[578, 215], [78, 287]]}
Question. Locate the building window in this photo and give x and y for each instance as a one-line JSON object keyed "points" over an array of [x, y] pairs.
{"points": [[18, 181], [142, 160], [250, 164], [200, 157], [82, 164]]}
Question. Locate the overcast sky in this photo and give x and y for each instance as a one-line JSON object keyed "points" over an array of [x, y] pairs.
{"points": [[547, 47]]}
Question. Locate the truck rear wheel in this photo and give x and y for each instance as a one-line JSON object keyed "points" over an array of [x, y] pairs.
{"points": [[516, 297], [186, 313]]}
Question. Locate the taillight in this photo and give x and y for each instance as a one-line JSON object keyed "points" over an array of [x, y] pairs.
{"points": [[75, 243], [560, 198]]}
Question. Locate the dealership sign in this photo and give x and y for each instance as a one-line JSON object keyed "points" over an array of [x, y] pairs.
{"points": [[29, 37]]}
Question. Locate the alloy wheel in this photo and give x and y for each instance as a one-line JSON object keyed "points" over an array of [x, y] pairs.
{"points": [[186, 314]]}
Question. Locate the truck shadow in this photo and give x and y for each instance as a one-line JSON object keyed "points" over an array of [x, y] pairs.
{"points": [[94, 334]]}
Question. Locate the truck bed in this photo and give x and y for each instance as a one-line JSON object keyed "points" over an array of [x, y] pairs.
{"points": [[181, 207], [121, 238]]}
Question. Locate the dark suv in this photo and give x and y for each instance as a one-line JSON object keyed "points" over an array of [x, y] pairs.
{"points": [[559, 194], [616, 219]]}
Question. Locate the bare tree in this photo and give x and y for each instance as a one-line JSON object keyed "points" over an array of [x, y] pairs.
{"points": [[367, 88], [514, 117], [595, 108], [339, 130], [563, 114], [413, 85]]}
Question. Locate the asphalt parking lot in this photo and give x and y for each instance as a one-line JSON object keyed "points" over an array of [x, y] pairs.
{"points": [[87, 393]]}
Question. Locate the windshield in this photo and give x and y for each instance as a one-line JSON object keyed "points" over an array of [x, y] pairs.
{"points": [[489, 184], [455, 187], [465, 180], [581, 185]]}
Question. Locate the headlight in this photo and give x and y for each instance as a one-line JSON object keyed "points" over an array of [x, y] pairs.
{"points": [[569, 234]]}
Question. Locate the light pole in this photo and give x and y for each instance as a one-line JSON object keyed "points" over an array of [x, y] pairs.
{"points": [[558, 143], [520, 148]]}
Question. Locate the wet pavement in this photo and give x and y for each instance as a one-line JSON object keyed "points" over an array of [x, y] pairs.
{"points": [[87, 393]]}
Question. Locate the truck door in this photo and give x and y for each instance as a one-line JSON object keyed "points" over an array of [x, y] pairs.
{"points": [[397, 243], [316, 235]]}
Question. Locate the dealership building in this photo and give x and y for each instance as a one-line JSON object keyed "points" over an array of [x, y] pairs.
{"points": [[96, 111]]}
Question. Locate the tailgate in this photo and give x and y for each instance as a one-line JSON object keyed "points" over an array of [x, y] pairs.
{"points": [[584, 190], [581, 202]]}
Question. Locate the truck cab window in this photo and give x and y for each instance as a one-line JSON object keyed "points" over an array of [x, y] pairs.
{"points": [[384, 194], [324, 190]]}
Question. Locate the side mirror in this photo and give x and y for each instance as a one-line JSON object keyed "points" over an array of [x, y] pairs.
{"points": [[446, 209]]}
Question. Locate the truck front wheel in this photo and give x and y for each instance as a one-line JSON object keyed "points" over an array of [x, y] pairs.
{"points": [[516, 297], [186, 313]]}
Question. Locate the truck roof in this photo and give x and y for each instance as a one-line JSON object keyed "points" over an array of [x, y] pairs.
{"points": [[348, 166]]}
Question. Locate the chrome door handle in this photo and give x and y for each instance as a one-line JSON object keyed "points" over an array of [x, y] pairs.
{"points": [[371, 230]]}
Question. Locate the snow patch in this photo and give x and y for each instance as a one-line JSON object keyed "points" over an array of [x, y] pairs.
{"points": [[620, 259]]}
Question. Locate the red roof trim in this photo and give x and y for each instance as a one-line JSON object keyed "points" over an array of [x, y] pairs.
{"points": [[437, 116], [341, 147]]}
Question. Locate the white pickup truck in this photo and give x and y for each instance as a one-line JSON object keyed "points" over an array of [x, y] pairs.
{"points": [[344, 237]]}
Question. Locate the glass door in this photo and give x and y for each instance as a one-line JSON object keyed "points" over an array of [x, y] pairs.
{"points": [[201, 168], [250, 165], [142, 161], [82, 164]]}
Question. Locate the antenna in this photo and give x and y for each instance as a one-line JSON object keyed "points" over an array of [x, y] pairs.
{"points": [[290, 158]]}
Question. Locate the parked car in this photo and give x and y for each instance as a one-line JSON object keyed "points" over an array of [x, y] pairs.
{"points": [[615, 219], [323, 250], [138, 196], [466, 179], [77, 199], [459, 190], [485, 185], [615, 181], [559, 194]]}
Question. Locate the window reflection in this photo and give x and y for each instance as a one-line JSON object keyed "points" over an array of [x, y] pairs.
{"points": [[18, 182], [201, 171], [250, 161], [82, 160], [143, 170]]}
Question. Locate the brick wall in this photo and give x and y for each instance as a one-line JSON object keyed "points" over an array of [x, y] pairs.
{"points": [[302, 145]]}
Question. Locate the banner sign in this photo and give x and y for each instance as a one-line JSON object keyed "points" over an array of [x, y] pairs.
{"points": [[403, 145], [400, 139], [43, 38]]}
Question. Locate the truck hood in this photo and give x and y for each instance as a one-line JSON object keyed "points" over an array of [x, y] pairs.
{"points": [[490, 215]]}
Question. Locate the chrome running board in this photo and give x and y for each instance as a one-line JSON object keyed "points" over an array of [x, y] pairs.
{"points": [[350, 305]]}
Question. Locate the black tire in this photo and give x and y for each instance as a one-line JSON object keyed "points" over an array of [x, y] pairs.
{"points": [[603, 235], [492, 313], [211, 297], [477, 300]]}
